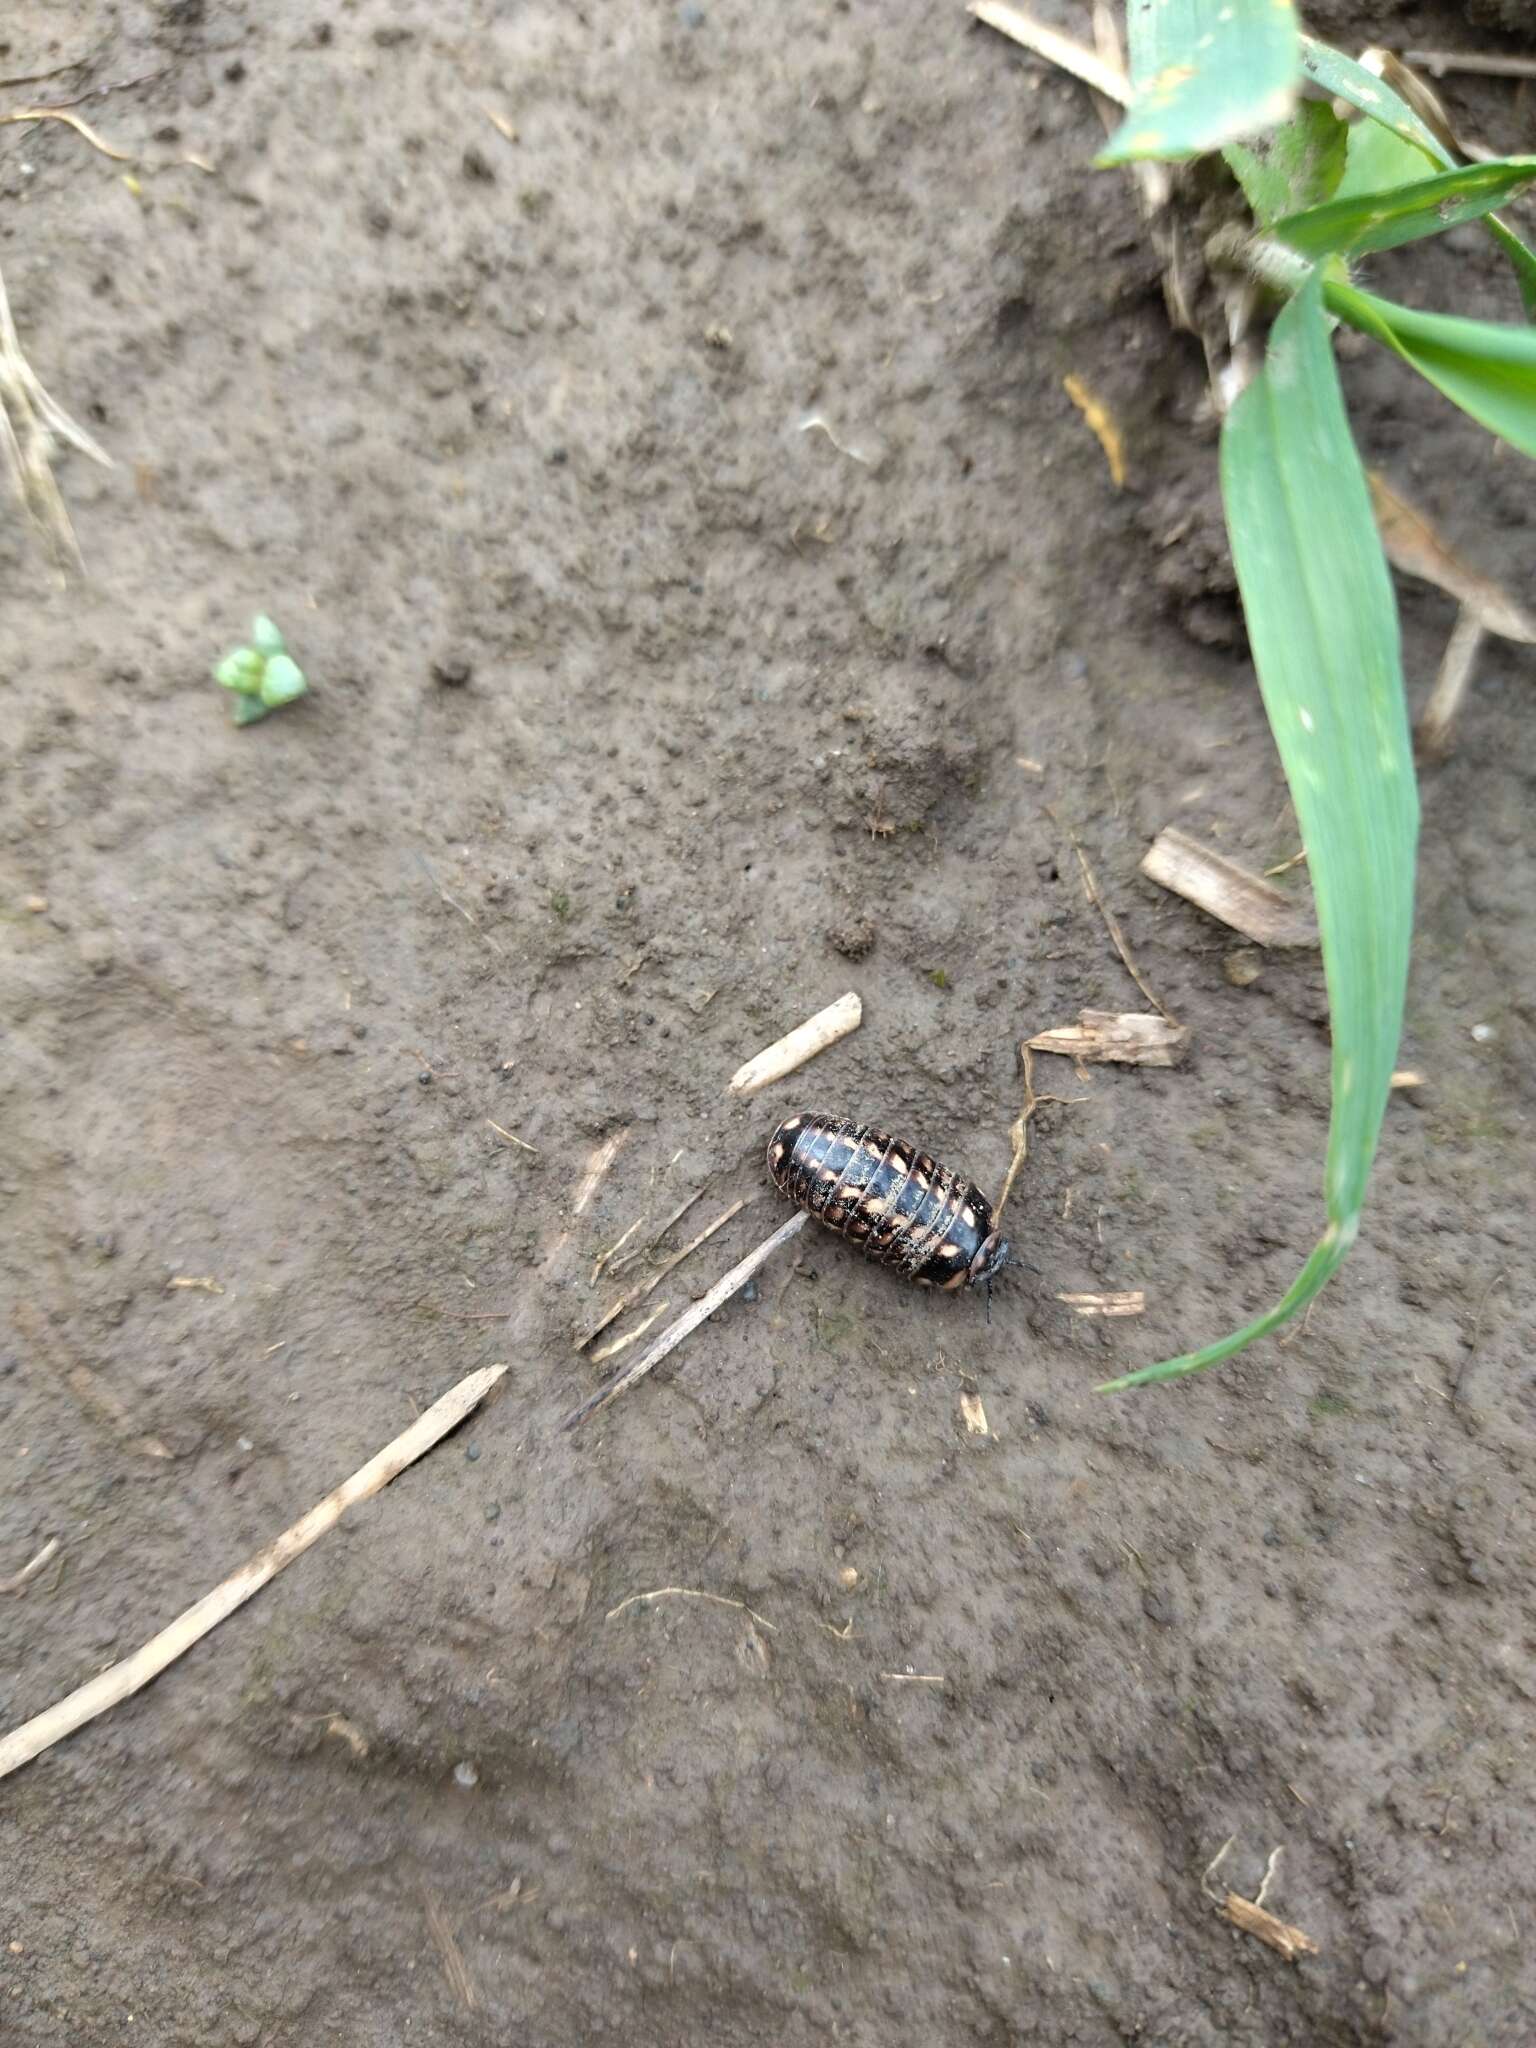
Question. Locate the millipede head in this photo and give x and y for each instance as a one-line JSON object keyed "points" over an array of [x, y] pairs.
{"points": [[992, 1255]]}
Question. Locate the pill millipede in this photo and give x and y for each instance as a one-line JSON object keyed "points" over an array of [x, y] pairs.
{"points": [[896, 1205]]}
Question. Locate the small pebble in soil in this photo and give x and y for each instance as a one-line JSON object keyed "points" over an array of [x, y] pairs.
{"points": [[493, 1512], [848, 1577], [466, 1775], [1483, 1034], [751, 1292], [452, 670], [472, 1452]]}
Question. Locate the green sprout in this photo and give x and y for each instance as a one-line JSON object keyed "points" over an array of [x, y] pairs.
{"points": [[263, 676]]}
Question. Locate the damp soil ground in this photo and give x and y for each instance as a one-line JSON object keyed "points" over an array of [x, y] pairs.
{"points": [[647, 718]]}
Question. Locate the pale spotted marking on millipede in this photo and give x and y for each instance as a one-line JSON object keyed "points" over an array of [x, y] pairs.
{"points": [[896, 1204]]}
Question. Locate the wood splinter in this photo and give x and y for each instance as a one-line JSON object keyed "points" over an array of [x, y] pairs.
{"points": [[799, 1045], [120, 1681], [1129, 1037], [1251, 1915], [1225, 890], [690, 1320]]}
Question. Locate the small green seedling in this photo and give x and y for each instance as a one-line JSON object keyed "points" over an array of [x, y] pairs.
{"points": [[263, 676]]}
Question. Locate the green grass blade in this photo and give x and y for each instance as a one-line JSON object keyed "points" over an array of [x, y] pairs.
{"points": [[1384, 220], [1323, 625], [1300, 165], [1489, 370], [1203, 73], [1352, 83]]}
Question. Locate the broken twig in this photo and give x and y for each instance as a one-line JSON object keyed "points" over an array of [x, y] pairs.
{"points": [[1434, 732], [722, 1291], [1117, 937], [623, 1343], [32, 429], [1131, 1303], [1251, 1915], [597, 1167], [455, 1969], [1054, 47], [690, 1593], [1018, 1133], [1101, 1037], [118, 1683], [30, 1570], [642, 1288], [1224, 890], [799, 1045]]}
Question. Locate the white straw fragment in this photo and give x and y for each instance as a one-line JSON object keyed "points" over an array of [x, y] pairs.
{"points": [[690, 1320], [800, 1045], [112, 1686], [1056, 48]]}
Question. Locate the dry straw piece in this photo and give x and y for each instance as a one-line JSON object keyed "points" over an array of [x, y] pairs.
{"points": [[1225, 890], [109, 1688], [1126, 1037], [799, 1045]]}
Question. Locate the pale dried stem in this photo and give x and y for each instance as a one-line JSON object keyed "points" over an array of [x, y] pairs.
{"points": [[1225, 890], [690, 1593], [643, 1287], [1434, 734], [32, 428], [111, 1687], [799, 1045], [723, 1289]]}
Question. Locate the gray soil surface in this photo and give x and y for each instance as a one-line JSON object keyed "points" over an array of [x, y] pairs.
{"points": [[647, 719]]}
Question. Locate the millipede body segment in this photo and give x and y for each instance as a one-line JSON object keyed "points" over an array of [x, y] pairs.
{"points": [[898, 1206]]}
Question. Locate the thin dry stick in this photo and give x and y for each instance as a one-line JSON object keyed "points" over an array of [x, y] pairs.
{"points": [[32, 427], [455, 1969], [623, 1343], [799, 1045], [513, 1139], [1432, 736], [914, 1677], [690, 1593], [120, 156], [17, 1580], [1056, 48], [597, 1167], [642, 1288], [616, 1247], [676, 1217], [1438, 62], [111, 1687], [1117, 937], [1019, 1131], [1226, 890], [690, 1320], [1131, 1303], [1251, 1915]]}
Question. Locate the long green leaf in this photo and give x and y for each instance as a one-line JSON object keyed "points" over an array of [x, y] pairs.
{"points": [[1351, 82], [1323, 625], [1203, 73], [1384, 220], [1488, 369]]}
